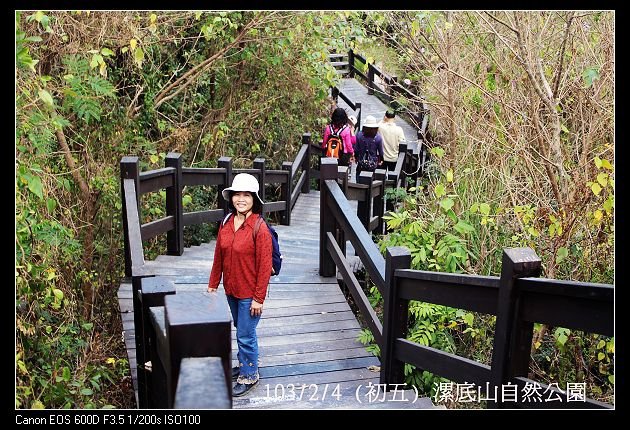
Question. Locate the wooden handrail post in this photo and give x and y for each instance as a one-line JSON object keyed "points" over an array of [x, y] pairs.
{"points": [[174, 206], [201, 385], [511, 340], [364, 207], [357, 105], [152, 293], [259, 164], [379, 201], [129, 169], [226, 163], [136, 288], [335, 94], [392, 89], [197, 326], [406, 166], [370, 82], [306, 167], [285, 194], [351, 63], [342, 175], [422, 153], [328, 170], [395, 316]]}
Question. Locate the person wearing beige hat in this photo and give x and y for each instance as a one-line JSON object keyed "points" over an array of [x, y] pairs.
{"points": [[242, 257], [369, 146], [392, 135]]}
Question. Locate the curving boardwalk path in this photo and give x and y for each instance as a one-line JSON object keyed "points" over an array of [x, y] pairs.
{"points": [[371, 105], [308, 333]]}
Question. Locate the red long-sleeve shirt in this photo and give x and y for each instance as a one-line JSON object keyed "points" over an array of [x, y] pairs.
{"points": [[246, 271]]}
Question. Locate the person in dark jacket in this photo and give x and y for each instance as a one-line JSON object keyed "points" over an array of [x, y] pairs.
{"points": [[369, 147]]}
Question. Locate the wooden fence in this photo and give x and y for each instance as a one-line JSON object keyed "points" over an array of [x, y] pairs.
{"points": [[518, 299]]}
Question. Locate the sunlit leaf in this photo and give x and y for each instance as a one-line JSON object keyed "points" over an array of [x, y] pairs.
{"points": [[463, 227], [533, 231], [46, 97], [438, 152], [469, 318], [449, 175], [602, 178], [138, 56], [439, 190], [447, 203], [596, 188], [35, 186], [589, 75], [608, 204], [561, 254]]}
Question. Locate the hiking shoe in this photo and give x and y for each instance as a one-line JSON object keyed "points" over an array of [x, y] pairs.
{"points": [[242, 389]]}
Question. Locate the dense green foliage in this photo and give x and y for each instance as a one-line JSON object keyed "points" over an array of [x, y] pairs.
{"points": [[522, 120], [92, 87]]}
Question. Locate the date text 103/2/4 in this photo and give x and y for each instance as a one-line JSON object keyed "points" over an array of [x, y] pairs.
{"points": [[311, 393]]}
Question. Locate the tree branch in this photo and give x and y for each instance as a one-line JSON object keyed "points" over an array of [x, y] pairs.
{"points": [[188, 78]]}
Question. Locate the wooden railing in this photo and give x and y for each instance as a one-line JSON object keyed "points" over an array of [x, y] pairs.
{"points": [[176, 348], [518, 299]]}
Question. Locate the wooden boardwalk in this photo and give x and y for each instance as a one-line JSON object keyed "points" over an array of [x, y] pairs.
{"points": [[308, 333], [371, 105]]}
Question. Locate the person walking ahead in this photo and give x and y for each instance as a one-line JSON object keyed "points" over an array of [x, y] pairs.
{"points": [[392, 135], [369, 147], [245, 264], [339, 126]]}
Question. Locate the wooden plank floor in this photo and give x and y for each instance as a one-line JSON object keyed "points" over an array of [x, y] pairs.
{"points": [[308, 333]]}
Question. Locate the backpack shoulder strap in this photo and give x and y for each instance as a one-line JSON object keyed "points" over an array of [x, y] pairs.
{"points": [[225, 220], [257, 225]]}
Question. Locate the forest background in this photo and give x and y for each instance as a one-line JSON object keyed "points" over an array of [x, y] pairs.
{"points": [[522, 154]]}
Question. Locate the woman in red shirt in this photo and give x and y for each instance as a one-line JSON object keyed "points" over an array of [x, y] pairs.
{"points": [[244, 262]]}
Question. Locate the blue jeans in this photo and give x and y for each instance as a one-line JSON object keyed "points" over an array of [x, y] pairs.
{"points": [[246, 339]]}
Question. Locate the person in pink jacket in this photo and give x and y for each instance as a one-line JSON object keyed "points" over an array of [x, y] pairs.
{"points": [[339, 122]]}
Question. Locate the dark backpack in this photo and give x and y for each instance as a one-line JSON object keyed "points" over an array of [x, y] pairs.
{"points": [[276, 256], [334, 144]]}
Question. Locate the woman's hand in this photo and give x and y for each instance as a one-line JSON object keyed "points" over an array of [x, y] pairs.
{"points": [[212, 290], [256, 309]]}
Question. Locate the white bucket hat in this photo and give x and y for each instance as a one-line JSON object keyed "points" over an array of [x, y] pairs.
{"points": [[370, 122], [353, 119], [243, 182]]}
